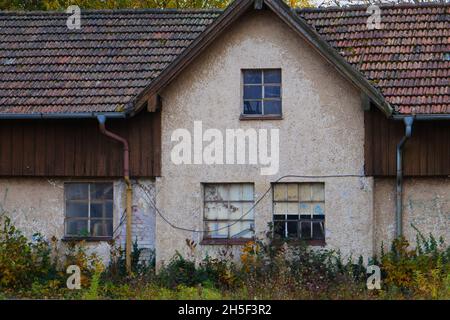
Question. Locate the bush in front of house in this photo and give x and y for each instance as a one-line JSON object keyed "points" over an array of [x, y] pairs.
{"points": [[266, 270]]}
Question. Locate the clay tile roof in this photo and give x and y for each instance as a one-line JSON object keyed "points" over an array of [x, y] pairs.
{"points": [[47, 68], [408, 59]]}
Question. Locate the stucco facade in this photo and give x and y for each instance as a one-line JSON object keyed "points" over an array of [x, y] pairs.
{"points": [[426, 206], [321, 134], [37, 205]]}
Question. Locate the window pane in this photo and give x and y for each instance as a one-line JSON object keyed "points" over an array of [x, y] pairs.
{"points": [[272, 76], [76, 191], [78, 228], [252, 76], [101, 191], [318, 230], [272, 92], [109, 207], [319, 209], [306, 230], [280, 208], [235, 210], [242, 229], [272, 107], [292, 192], [247, 192], [318, 192], [214, 232], [216, 211], [280, 192], [97, 210], [292, 227], [252, 92], [216, 192], [292, 208], [235, 192], [305, 191], [76, 209], [305, 208], [248, 210], [252, 107], [101, 228]]}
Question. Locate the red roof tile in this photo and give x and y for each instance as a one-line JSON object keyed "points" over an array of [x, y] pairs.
{"points": [[408, 59], [45, 67]]}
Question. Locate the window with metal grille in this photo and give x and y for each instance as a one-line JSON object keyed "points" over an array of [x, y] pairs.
{"points": [[262, 91], [88, 210], [299, 210], [228, 210]]}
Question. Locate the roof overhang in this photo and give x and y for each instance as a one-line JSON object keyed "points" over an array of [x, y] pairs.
{"points": [[286, 14]]}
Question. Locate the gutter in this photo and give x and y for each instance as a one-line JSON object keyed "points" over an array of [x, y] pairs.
{"points": [[422, 117], [126, 175], [60, 116]]}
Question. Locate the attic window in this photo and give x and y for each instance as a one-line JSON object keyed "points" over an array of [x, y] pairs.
{"points": [[261, 92]]}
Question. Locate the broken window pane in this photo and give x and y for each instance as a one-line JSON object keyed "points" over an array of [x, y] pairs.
{"points": [[216, 210], [233, 204]]}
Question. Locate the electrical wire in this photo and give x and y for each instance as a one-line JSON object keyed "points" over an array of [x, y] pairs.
{"points": [[250, 210]]}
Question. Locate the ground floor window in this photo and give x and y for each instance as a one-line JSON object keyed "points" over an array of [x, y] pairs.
{"points": [[299, 210], [88, 210], [228, 210]]}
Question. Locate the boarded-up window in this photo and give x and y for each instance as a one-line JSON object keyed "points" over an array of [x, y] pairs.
{"points": [[89, 209], [299, 210], [228, 210]]}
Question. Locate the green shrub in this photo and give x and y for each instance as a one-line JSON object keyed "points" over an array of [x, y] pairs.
{"points": [[22, 261]]}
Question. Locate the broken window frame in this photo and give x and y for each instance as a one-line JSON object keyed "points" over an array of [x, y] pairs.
{"points": [[104, 219], [298, 218], [263, 85], [216, 222]]}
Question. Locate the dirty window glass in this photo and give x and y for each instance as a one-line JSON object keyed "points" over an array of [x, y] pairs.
{"points": [[262, 92], [228, 210], [299, 210], [88, 209]]}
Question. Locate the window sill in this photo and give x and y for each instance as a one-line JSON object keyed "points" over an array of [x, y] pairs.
{"points": [[260, 117], [230, 242], [87, 239]]}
